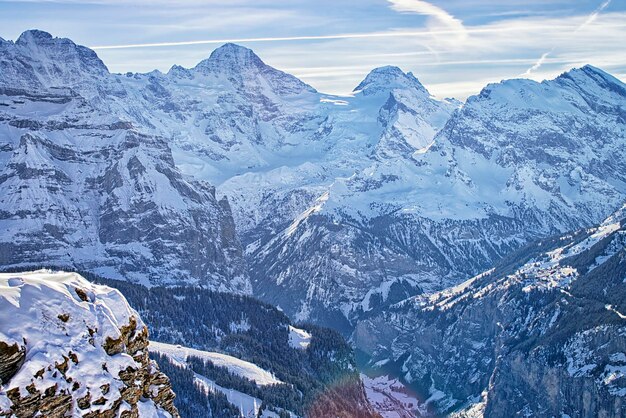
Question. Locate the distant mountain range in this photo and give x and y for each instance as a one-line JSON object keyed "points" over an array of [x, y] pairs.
{"points": [[339, 204]]}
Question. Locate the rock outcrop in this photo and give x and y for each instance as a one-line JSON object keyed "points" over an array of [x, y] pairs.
{"points": [[11, 359], [71, 348]]}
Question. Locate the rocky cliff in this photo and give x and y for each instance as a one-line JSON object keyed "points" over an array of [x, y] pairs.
{"points": [[71, 348]]}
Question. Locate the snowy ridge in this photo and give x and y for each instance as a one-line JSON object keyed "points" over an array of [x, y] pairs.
{"points": [[236, 366], [515, 163], [249, 406]]}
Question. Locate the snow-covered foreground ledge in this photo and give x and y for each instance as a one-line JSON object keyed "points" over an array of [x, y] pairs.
{"points": [[70, 347]]}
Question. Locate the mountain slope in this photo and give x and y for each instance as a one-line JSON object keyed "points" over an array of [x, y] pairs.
{"points": [[240, 347], [85, 189], [541, 334]]}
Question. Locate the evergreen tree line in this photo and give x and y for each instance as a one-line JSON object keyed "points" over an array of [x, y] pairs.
{"points": [[248, 329], [192, 400]]}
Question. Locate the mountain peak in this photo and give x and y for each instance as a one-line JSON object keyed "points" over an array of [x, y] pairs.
{"points": [[38, 58], [243, 67], [231, 57], [589, 71], [593, 82], [384, 79], [34, 36]]}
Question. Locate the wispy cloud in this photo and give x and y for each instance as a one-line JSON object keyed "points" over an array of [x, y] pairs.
{"points": [[439, 17], [392, 34], [537, 64]]}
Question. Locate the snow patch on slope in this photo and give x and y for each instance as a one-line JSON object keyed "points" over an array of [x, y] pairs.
{"points": [[389, 397], [299, 338], [245, 369]]}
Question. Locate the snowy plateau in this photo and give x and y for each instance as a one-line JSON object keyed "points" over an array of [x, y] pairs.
{"points": [[473, 252]]}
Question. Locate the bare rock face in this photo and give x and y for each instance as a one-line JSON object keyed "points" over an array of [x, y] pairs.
{"points": [[11, 359], [85, 352]]}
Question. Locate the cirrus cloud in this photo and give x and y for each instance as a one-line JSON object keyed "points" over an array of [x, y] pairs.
{"points": [[437, 16]]}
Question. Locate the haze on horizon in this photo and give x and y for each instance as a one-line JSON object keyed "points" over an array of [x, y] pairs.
{"points": [[454, 47]]}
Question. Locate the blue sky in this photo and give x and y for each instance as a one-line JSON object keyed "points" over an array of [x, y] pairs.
{"points": [[454, 47]]}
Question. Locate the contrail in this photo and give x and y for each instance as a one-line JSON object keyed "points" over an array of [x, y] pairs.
{"points": [[593, 16], [538, 64], [398, 34], [274, 39]]}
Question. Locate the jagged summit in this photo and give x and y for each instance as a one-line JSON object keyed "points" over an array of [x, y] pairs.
{"points": [[34, 36], [587, 70], [231, 57], [387, 78], [245, 68], [37, 59], [590, 79]]}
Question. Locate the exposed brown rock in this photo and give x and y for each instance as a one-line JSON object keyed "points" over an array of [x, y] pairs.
{"points": [[84, 402], [81, 294], [62, 367], [105, 388], [52, 404], [11, 359], [142, 382]]}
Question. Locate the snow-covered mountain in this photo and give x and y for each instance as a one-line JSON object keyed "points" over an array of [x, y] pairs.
{"points": [[71, 348], [85, 188], [520, 161], [342, 204], [543, 333]]}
